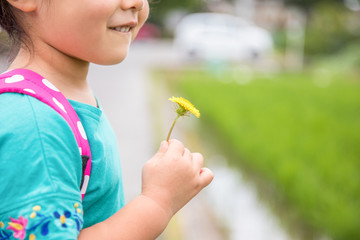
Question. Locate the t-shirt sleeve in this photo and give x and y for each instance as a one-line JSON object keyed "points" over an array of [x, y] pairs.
{"points": [[40, 172]]}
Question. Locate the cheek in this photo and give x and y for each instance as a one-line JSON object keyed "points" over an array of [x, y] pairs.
{"points": [[142, 17], [143, 14], [100, 10], [68, 29]]}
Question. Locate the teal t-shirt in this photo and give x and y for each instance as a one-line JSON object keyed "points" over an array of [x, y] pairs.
{"points": [[40, 170]]}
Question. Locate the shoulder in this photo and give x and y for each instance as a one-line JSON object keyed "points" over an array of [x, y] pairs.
{"points": [[38, 151], [26, 118], [22, 110]]}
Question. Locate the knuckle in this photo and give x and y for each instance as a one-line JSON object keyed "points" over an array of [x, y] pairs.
{"points": [[174, 158], [178, 158], [187, 153], [198, 157], [148, 165], [177, 143]]}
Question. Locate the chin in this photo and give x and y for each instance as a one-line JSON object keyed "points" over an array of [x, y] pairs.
{"points": [[110, 60]]}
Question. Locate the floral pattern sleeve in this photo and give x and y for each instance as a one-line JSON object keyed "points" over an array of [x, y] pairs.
{"points": [[40, 169], [43, 221]]}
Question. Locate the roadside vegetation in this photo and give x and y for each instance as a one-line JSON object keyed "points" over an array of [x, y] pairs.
{"points": [[298, 131]]}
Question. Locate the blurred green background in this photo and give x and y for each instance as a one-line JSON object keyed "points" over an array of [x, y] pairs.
{"points": [[294, 124]]}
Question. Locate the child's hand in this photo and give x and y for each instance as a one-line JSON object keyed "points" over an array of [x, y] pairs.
{"points": [[174, 175]]}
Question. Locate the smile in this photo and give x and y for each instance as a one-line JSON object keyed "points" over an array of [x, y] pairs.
{"points": [[123, 29]]}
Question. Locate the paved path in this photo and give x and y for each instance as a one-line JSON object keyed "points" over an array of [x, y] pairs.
{"points": [[125, 92]]}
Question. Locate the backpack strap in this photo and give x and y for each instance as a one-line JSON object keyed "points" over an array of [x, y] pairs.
{"points": [[30, 83]]}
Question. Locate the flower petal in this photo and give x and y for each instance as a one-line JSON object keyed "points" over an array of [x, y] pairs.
{"points": [[187, 105], [56, 214], [45, 228], [67, 214]]}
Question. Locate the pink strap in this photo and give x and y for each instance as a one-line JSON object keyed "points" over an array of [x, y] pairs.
{"points": [[30, 83]]}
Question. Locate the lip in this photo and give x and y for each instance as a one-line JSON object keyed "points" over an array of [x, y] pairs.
{"points": [[131, 24]]}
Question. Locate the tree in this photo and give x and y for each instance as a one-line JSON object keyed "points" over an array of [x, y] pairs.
{"points": [[159, 9], [307, 5]]}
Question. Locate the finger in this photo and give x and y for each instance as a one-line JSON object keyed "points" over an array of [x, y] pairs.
{"points": [[163, 147], [176, 147], [187, 153], [206, 176], [198, 160]]}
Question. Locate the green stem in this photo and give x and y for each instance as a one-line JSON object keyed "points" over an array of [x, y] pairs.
{"points": [[172, 126]]}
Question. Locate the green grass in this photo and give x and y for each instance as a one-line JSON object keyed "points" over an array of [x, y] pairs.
{"points": [[302, 138]]}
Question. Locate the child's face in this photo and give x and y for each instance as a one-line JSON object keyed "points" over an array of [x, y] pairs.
{"points": [[98, 31]]}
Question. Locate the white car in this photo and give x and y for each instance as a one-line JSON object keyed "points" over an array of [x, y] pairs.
{"points": [[216, 36]]}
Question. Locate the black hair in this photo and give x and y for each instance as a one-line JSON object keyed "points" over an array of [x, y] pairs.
{"points": [[9, 23]]}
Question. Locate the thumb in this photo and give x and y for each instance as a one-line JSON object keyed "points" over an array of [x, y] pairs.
{"points": [[163, 146]]}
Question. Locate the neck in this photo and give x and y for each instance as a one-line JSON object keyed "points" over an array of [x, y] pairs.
{"points": [[68, 74]]}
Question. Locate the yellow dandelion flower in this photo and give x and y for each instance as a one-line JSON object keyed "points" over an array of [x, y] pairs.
{"points": [[184, 107], [32, 237], [2, 224]]}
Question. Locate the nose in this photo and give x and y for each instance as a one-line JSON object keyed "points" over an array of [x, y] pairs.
{"points": [[133, 4]]}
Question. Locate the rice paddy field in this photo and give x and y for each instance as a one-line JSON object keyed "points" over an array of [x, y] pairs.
{"points": [[299, 132]]}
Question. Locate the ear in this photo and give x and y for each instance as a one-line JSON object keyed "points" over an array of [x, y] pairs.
{"points": [[24, 5]]}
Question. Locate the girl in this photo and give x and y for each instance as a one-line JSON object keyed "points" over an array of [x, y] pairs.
{"points": [[40, 163]]}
